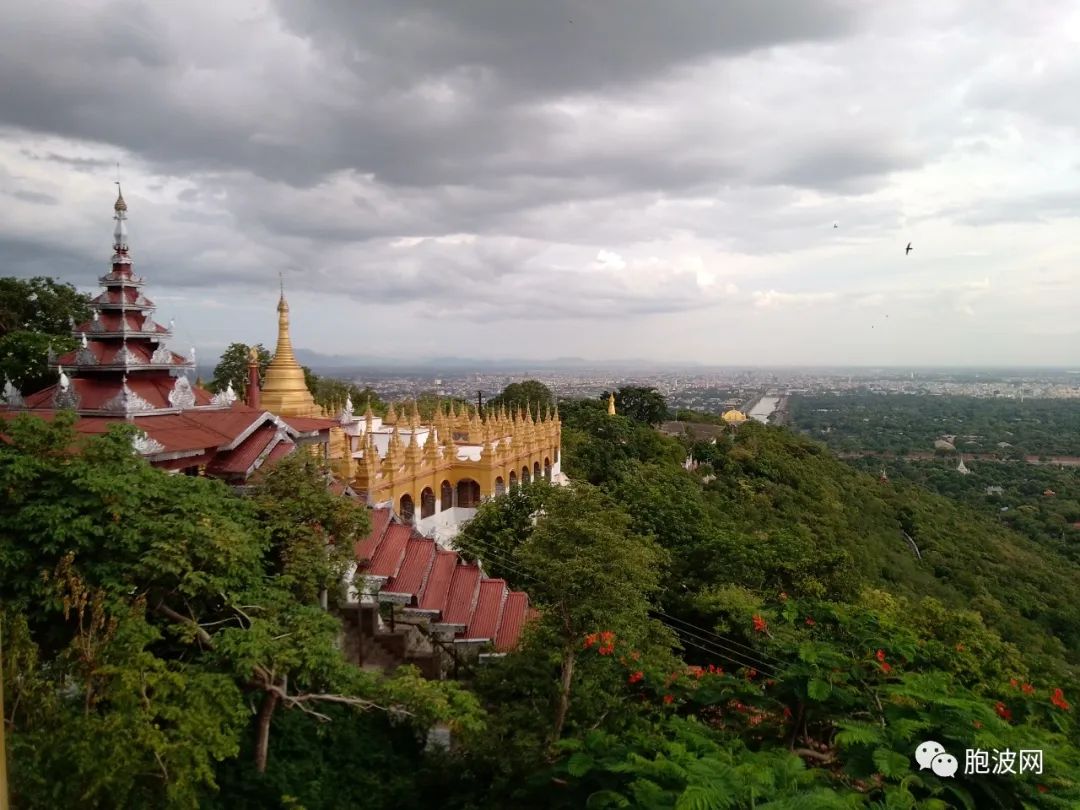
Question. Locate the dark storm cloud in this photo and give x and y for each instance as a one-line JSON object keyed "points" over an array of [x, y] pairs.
{"points": [[415, 93]]}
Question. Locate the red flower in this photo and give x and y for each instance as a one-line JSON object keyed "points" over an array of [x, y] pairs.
{"points": [[880, 655], [1027, 688], [607, 637], [1003, 712], [770, 682], [607, 650], [1043, 788], [668, 700], [885, 667], [697, 672], [751, 673], [1058, 699], [787, 712], [810, 621], [590, 640], [635, 676], [1014, 683], [760, 624]]}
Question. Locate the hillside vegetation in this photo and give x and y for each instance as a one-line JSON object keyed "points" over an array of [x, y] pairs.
{"points": [[756, 633]]}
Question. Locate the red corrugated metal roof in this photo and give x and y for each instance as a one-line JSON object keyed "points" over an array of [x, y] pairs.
{"points": [[419, 555], [387, 559], [237, 462], [438, 582], [513, 620], [307, 424], [365, 548], [462, 595], [484, 622]]}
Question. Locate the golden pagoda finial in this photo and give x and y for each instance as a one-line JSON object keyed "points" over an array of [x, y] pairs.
{"points": [[391, 415], [414, 415], [611, 404]]}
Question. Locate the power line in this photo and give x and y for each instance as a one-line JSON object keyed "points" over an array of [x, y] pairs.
{"points": [[738, 657]]}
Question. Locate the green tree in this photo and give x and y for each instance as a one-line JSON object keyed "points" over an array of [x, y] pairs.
{"points": [[36, 315], [522, 394], [40, 305], [640, 403], [155, 611], [233, 367], [591, 574]]}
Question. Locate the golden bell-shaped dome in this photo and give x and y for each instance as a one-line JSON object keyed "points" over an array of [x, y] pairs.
{"points": [[734, 417]]}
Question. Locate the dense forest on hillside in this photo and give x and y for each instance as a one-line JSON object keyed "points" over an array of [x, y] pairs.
{"points": [[1041, 502], [773, 628], [905, 423]]}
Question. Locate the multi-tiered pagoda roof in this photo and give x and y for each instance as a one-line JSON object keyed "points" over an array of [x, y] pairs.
{"points": [[124, 370]]}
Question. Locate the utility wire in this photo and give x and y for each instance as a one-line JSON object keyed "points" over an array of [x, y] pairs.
{"points": [[702, 635]]}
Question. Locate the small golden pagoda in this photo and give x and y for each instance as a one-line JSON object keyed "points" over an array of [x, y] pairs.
{"points": [[284, 391], [611, 404]]}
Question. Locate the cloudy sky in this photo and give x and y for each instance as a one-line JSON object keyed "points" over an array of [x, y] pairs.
{"points": [[605, 179]]}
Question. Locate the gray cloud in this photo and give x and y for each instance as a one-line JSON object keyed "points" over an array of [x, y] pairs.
{"points": [[496, 162]]}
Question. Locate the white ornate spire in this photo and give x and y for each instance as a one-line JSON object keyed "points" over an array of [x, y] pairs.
{"points": [[65, 381], [120, 233]]}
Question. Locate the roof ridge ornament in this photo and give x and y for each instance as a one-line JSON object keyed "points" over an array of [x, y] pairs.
{"points": [[226, 397], [182, 397], [11, 395]]}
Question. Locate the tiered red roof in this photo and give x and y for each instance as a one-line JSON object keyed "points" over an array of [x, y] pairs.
{"points": [[405, 566], [122, 371]]}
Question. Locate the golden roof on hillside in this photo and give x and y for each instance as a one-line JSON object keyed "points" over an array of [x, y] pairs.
{"points": [[734, 417]]}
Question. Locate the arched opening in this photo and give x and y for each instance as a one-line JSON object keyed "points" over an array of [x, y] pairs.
{"points": [[536, 471], [500, 486], [524, 475], [406, 508], [468, 493], [547, 469], [446, 496], [427, 503], [513, 479]]}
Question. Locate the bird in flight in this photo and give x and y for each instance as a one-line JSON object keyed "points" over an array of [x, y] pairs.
{"points": [[836, 224], [908, 249]]}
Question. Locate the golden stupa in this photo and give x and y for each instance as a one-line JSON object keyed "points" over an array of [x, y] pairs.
{"points": [[284, 391], [734, 417]]}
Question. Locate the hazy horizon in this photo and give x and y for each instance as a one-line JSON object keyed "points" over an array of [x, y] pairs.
{"points": [[595, 180]]}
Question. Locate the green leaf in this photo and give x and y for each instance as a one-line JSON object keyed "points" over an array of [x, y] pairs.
{"points": [[853, 733], [818, 689], [580, 764], [697, 797], [891, 763], [607, 798]]}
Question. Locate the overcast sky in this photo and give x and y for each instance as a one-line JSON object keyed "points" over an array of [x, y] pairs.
{"points": [[605, 179]]}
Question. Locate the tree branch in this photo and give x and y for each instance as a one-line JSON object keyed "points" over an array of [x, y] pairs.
{"points": [[180, 618], [806, 752]]}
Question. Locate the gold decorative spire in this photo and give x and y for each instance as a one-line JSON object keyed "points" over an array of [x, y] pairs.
{"points": [[284, 390], [391, 416], [611, 404]]}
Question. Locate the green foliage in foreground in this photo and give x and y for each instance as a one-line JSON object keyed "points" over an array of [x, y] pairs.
{"points": [[150, 617], [156, 625]]}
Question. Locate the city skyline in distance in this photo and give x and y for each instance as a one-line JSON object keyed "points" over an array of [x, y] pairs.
{"points": [[643, 188]]}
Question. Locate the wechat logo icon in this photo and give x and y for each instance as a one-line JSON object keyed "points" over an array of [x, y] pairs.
{"points": [[932, 755]]}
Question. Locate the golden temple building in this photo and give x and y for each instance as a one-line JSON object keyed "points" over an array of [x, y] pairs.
{"points": [[432, 474]]}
